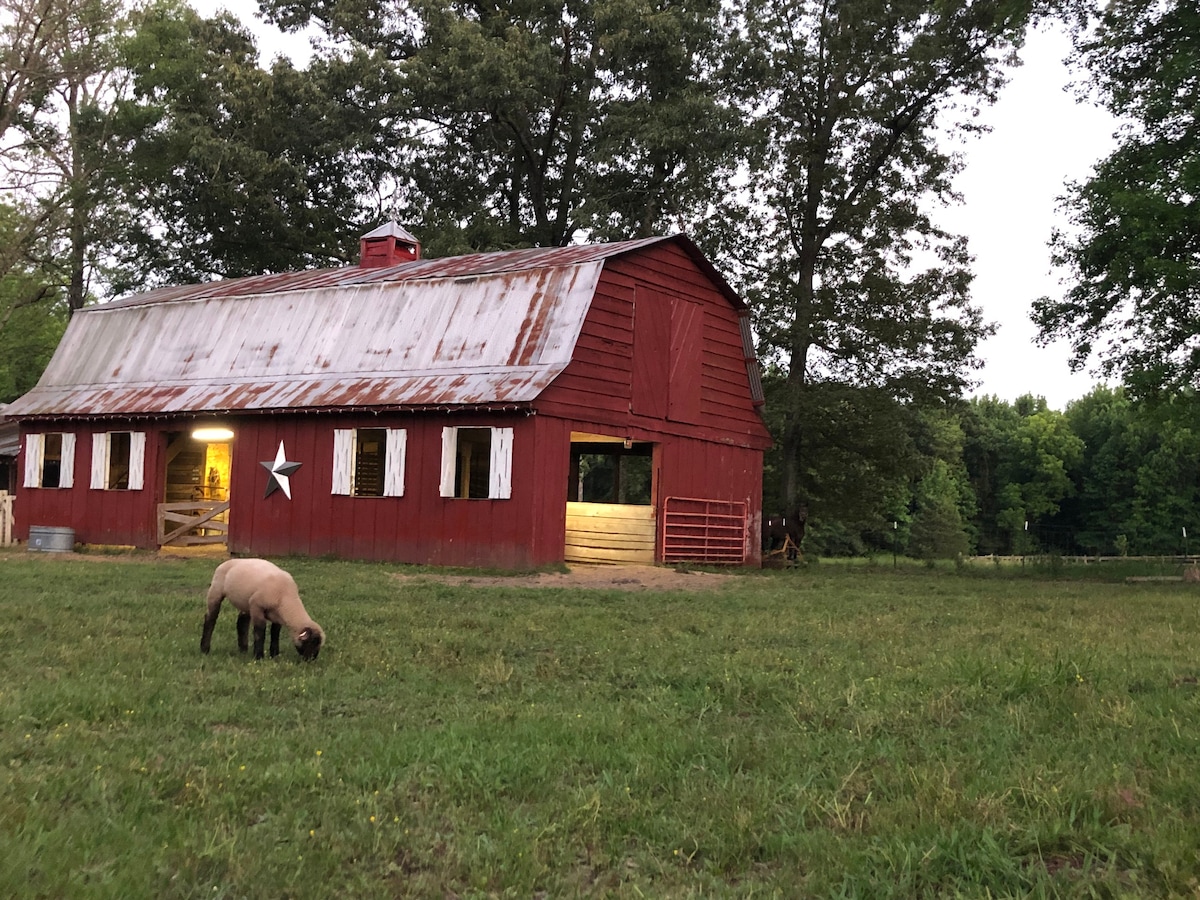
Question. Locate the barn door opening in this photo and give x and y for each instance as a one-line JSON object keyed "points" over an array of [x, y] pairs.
{"points": [[196, 486], [610, 507]]}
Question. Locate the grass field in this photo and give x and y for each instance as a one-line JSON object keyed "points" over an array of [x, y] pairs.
{"points": [[833, 731]]}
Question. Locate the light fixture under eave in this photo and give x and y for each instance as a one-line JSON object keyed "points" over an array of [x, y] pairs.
{"points": [[212, 433]]}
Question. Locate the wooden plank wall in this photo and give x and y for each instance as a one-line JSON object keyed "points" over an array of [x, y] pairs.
{"points": [[624, 380], [610, 533], [97, 516], [419, 527]]}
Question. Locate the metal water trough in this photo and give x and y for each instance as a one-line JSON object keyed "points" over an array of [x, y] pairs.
{"points": [[51, 539]]}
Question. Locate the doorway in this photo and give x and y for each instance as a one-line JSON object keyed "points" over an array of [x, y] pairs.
{"points": [[196, 489], [610, 507]]}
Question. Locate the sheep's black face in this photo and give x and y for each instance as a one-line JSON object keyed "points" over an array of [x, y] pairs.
{"points": [[309, 646]]}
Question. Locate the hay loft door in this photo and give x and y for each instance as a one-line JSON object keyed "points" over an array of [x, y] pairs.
{"points": [[610, 501]]}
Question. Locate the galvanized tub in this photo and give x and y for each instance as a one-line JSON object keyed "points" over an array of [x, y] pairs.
{"points": [[51, 539]]}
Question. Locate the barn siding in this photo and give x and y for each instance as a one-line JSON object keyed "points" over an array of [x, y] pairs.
{"points": [[125, 518], [708, 471], [620, 375], [688, 349], [651, 370], [421, 526], [683, 467]]}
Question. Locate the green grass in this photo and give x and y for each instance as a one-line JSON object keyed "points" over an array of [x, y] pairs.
{"points": [[831, 731]]}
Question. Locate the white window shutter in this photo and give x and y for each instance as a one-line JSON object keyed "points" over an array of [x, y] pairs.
{"points": [[449, 460], [501, 467], [67, 479], [343, 459], [137, 460], [99, 461], [393, 473], [33, 460]]}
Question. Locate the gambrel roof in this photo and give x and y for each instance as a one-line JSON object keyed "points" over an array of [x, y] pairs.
{"points": [[485, 329]]}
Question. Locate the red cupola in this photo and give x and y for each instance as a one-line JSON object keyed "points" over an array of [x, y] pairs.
{"points": [[388, 245]]}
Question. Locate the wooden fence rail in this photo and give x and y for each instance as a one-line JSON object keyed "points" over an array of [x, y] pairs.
{"points": [[6, 518]]}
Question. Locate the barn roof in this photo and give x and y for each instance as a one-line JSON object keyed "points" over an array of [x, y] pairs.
{"points": [[10, 439], [484, 329]]}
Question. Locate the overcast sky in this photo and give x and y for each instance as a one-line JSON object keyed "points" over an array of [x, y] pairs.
{"points": [[1041, 139]]}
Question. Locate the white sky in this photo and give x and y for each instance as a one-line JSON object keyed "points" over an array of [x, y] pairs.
{"points": [[1041, 138]]}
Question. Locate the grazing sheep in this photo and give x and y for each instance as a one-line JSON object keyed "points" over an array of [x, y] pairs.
{"points": [[261, 592]]}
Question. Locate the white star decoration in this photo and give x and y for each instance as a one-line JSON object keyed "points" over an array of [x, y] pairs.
{"points": [[280, 470]]}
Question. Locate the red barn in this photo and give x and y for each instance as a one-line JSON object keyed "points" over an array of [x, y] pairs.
{"points": [[509, 409]]}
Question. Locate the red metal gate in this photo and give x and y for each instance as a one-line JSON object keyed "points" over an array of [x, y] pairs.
{"points": [[704, 531]]}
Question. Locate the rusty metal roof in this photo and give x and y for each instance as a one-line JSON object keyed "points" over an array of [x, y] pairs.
{"points": [[421, 269], [484, 329], [10, 438]]}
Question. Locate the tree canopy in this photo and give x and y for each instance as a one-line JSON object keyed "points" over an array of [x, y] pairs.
{"points": [[1132, 249], [527, 124], [851, 281]]}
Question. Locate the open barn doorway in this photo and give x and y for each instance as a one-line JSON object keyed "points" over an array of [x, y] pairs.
{"points": [[195, 505], [610, 500]]}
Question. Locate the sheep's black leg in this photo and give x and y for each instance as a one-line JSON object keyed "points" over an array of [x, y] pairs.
{"points": [[260, 638], [243, 626], [210, 622], [274, 639]]}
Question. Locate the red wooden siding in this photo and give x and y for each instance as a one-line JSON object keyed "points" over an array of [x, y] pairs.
{"points": [[421, 526], [692, 468], [651, 365], [687, 467], [651, 308], [121, 517], [687, 361]]}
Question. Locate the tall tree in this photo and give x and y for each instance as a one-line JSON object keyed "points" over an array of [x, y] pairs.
{"points": [[34, 36], [1132, 251], [32, 314], [939, 530], [851, 280], [1106, 422], [1167, 481], [235, 169], [1033, 475], [529, 122], [58, 82]]}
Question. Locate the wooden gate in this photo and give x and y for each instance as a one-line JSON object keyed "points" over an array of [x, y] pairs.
{"points": [[192, 523]]}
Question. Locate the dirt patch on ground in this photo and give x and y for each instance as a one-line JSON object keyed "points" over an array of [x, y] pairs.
{"points": [[623, 578]]}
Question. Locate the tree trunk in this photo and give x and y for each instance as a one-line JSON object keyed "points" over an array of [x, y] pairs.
{"points": [[77, 231], [792, 444]]}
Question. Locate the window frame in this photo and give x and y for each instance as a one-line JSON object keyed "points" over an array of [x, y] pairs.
{"points": [[103, 460], [345, 461], [35, 461], [500, 457]]}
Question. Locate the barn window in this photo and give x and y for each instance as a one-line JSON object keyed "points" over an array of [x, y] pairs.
{"points": [[118, 461], [49, 460], [369, 462], [477, 463]]}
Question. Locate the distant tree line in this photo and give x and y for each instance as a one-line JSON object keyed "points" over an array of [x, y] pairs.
{"points": [[1109, 476], [802, 144]]}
